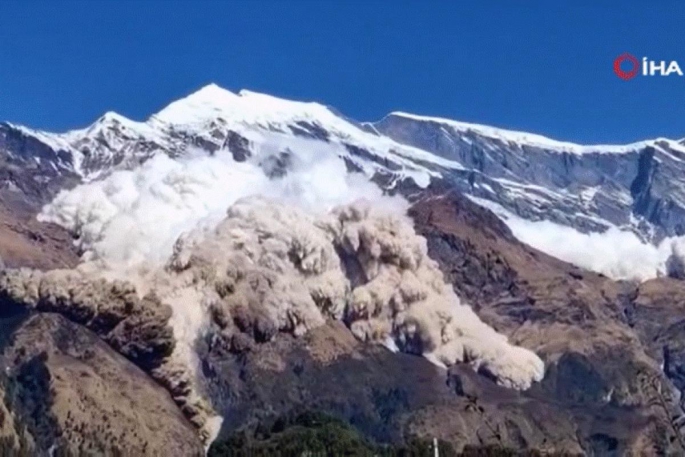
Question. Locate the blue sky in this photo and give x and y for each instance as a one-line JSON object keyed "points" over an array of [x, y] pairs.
{"points": [[544, 67]]}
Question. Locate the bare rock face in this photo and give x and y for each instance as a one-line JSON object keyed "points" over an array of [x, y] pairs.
{"points": [[31, 173], [74, 395], [44, 315], [656, 310]]}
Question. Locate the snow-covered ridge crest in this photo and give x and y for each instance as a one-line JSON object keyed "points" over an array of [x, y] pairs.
{"points": [[533, 139], [213, 102]]}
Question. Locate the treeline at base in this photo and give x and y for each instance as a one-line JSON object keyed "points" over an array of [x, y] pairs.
{"points": [[315, 434]]}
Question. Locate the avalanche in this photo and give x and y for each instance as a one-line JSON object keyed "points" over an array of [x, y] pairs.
{"points": [[232, 247]]}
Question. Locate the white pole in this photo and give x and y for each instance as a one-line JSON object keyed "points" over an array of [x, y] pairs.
{"points": [[435, 448]]}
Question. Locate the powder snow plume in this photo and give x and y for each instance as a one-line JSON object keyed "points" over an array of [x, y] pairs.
{"points": [[233, 247], [617, 253]]}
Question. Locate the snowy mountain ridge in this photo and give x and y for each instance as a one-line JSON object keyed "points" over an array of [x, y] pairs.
{"points": [[210, 108], [533, 139], [636, 187], [203, 119]]}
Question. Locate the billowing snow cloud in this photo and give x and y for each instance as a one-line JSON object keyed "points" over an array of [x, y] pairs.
{"points": [[615, 253], [134, 217]]}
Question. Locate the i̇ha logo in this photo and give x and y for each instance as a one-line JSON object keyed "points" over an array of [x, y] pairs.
{"points": [[626, 66]]}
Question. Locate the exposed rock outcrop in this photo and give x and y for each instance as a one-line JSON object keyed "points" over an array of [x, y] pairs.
{"points": [[71, 393]]}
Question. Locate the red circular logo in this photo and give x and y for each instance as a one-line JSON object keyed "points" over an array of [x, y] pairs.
{"points": [[626, 75]]}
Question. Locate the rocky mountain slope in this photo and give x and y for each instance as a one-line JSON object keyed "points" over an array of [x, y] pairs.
{"points": [[591, 188], [83, 363], [65, 389]]}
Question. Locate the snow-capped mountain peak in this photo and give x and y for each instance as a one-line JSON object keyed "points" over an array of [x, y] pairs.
{"points": [[209, 102], [110, 121], [213, 103]]}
